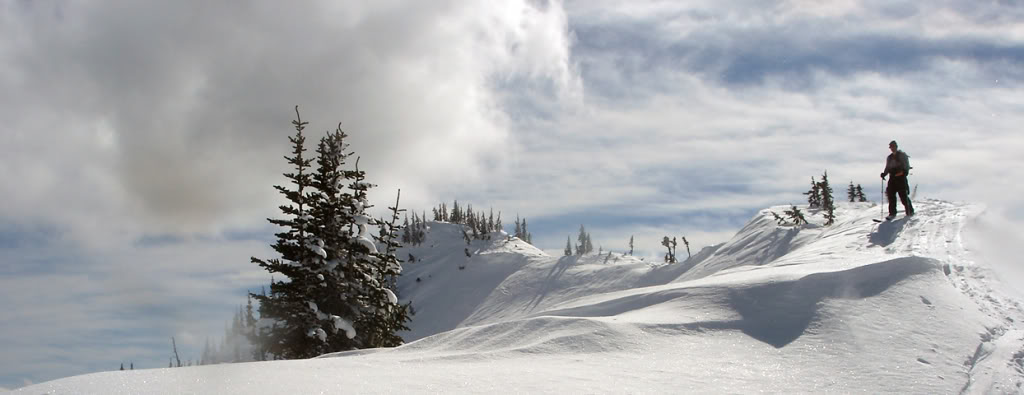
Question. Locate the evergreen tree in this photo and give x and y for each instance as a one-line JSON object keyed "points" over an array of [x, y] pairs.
{"points": [[287, 319], [827, 202], [420, 233], [631, 245], [860, 194], [386, 315], [456, 216], [407, 231], [851, 192], [471, 221], [581, 248], [250, 325], [374, 272], [670, 257], [796, 216], [335, 297], [568, 245], [205, 358], [814, 195], [521, 230]]}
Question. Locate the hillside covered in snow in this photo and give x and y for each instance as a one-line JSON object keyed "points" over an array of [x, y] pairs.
{"points": [[905, 306]]}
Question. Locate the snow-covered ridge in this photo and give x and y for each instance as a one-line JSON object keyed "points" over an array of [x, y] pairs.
{"points": [[900, 306]]}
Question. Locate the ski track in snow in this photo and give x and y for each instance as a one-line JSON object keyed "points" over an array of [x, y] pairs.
{"points": [[936, 231], [939, 235], [898, 306]]}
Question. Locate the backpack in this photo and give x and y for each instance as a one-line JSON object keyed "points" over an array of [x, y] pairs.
{"points": [[906, 161]]}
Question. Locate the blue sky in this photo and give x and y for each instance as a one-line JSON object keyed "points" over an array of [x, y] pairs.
{"points": [[141, 140]]}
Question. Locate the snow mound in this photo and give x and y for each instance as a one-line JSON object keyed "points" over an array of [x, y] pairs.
{"points": [[857, 306]]}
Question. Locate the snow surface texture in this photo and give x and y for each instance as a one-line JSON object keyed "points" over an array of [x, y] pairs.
{"points": [[901, 306]]}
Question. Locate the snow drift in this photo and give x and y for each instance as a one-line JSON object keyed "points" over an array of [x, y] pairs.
{"points": [[900, 306]]}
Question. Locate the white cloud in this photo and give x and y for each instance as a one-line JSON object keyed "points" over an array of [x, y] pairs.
{"points": [[173, 117], [125, 121]]}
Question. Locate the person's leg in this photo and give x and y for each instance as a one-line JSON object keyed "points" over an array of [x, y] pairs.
{"points": [[890, 195], [908, 206]]}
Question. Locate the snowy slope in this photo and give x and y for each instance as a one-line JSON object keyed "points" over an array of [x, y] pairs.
{"points": [[902, 307]]}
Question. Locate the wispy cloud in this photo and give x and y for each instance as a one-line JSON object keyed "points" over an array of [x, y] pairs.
{"points": [[724, 108]]}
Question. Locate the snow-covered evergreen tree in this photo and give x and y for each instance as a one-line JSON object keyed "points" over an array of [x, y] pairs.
{"points": [[851, 192], [827, 201], [386, 316], [335, 296], [284, 317], [568, 245], [371, 272]]}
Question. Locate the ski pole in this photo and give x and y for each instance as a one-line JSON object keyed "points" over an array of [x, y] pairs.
{"points": [[881, 213]]}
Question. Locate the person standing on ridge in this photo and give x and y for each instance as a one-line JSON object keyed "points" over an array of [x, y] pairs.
{"points": [[897, 165]]}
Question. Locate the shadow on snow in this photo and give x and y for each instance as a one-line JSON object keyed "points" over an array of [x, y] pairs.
{"points": [[776, 313], [887, 232]]}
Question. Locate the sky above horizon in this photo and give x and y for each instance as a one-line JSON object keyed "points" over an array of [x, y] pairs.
{"points": [[141, 140]]}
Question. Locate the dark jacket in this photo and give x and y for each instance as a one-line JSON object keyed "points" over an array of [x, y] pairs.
{"points": [[896, 164]]}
